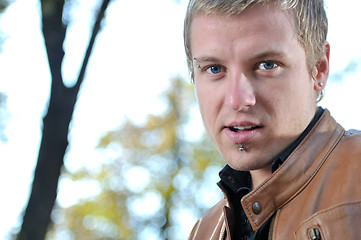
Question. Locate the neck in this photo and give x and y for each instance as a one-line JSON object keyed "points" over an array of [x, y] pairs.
{"points": [[260, 175]]}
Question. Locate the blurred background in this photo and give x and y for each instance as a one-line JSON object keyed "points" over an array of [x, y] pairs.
{"points": [[100, 135]]}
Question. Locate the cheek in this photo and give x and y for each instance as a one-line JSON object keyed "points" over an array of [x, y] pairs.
{"points": [[204, 104], [207, 102]]}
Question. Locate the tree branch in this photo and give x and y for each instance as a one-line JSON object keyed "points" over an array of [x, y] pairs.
{"points": [[88, 52]]}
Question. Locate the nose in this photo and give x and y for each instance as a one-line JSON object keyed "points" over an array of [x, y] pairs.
{"points": [[240, 93]]}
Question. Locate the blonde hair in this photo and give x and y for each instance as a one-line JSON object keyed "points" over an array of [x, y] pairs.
{"points": [[309, 15]]}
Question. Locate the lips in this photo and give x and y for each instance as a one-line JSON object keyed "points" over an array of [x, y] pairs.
{"points": [[241, 128], [241, 133]]}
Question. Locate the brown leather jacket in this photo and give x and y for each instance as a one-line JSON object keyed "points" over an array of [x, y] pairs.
{"points": [[315, 194]]}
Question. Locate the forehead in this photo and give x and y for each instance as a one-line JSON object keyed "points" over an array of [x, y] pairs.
{"points": [[257, 27]]}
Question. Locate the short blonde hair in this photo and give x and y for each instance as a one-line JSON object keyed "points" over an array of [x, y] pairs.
{"points": [[309, 15]]}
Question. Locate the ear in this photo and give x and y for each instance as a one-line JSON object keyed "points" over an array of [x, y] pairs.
{"points": [[321, 69]]}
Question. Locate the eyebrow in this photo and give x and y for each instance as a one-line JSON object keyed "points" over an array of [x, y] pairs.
{"points": [[262, 55], [206, 59], [270, 54]]}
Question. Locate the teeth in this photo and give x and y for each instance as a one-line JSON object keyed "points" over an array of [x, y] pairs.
{"points": [[242, 127]]}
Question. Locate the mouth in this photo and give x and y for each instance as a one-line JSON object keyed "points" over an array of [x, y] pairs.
{"points": [[242, 133], [243, 128]]}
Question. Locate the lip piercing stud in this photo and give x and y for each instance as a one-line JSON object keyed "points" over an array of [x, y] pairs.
{"points": [[240, 148]]}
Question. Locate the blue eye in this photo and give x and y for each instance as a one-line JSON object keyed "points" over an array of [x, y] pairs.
{"points": [[267, 65], [215, 69]]}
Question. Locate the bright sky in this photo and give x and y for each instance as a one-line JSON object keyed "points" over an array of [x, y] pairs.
{"points": [[139, 49]]}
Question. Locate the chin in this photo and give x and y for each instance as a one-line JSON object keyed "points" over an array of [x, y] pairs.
{"points": [[241, 165], [248, 163]]}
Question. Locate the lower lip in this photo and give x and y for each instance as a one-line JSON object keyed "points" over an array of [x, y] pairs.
{"points": [[242, 136]]}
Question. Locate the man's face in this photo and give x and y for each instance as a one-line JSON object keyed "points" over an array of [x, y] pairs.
{"points": [[252, 83]]}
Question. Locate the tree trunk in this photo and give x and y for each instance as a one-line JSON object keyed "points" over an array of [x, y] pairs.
{"points": [[56, 122]]}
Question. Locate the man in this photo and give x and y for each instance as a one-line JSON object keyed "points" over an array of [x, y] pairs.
{"points": [[259, 68]]}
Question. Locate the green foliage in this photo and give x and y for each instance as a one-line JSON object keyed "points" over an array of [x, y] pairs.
{"points": [[3, 5], [159, 174]]}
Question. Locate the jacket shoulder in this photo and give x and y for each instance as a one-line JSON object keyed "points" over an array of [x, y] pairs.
{"points": [[354, 134], [210, 225], [351, 142]]}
